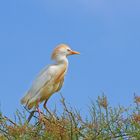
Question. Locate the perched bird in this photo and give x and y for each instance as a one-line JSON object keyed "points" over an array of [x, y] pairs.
{"points": [[50, 79]]}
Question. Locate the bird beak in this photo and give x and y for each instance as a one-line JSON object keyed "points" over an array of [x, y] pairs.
{"points": [[74, 52]]}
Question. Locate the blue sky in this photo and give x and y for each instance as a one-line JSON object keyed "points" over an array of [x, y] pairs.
{"points": [[107, 33]]}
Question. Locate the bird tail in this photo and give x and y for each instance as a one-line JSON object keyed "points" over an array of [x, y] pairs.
{"points": [[25, 99], [28, 101]]}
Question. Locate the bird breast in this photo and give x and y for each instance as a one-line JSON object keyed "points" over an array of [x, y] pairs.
{"points": [[59, 78], [55, 84]]}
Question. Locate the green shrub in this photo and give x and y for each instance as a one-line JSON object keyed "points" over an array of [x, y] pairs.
{"points": [[104, 123]]}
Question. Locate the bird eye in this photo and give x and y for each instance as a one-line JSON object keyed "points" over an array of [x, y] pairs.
{"points": [[68, 50]]}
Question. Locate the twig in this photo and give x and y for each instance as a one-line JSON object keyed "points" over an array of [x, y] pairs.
{"points": [[9, 120], [5, 133], [31, 115], [47, 110]]}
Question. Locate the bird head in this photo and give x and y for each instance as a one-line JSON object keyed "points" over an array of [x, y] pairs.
{"points": [[62, 51]]}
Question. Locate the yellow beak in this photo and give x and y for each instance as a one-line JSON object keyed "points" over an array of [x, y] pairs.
{"points": [[74, 52]]}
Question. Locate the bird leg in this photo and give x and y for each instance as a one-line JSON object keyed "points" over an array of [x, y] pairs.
{"points": [[44, 105], [31, 115], [38, 110]]}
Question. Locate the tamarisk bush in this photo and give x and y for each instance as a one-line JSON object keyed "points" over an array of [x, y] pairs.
{"points": [[105, 123]]}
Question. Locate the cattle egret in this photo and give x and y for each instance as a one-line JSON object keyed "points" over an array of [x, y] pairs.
{"points": [[50, 79]]}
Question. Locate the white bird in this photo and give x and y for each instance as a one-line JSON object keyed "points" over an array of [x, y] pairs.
{"points": [[50, 79]]}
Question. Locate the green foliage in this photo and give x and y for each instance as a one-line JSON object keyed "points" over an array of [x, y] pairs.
{"points": [[104, 123]]}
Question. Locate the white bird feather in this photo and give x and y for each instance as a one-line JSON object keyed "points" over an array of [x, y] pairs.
{"points": [[50, 79]]}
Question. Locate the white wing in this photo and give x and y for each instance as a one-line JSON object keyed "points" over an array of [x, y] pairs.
{"points": [[45, 76]]}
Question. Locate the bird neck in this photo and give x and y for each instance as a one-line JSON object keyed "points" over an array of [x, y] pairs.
{"points": [[61, 60]]}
